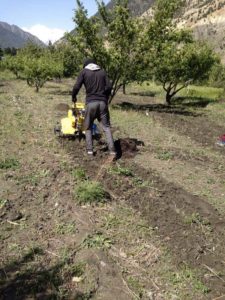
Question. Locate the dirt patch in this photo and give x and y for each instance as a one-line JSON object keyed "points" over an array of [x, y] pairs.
{"points": [[200, 128], [63, 107], [127, 147]]}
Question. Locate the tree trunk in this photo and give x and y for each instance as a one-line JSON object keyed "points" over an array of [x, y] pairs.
{"points": [[124, 88], [168, 97]]}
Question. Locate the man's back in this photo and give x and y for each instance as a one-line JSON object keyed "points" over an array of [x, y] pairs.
{"points": [[96, 82]]}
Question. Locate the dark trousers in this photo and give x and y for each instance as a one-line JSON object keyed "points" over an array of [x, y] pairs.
{"points": [[98, 110]]}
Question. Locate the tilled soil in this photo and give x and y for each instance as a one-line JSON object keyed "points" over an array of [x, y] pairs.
{"points": [[191, 228]]}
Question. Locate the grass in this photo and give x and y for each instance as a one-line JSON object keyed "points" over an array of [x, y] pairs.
{"points": [[165, 155], [9, 163], [143, 257], [124, 171], [89, 192], [79, 173], [3, 202], [97, 240], [185, 274], [195, 218], [66, 228]]}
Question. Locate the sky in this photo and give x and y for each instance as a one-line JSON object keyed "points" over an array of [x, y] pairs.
{"points": [[47, 19]]}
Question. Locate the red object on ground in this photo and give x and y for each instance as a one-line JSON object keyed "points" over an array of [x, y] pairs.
{"points": [[222, 138]]}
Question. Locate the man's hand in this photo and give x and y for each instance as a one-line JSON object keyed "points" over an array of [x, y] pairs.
{"points": [[74, 100]]}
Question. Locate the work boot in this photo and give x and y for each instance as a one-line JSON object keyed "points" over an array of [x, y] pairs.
{"points": [[113, 155]]}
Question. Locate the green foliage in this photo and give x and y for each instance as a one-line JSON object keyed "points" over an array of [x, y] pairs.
{"points": [[196, 218], [217, 76], [9, 163], [88, 192], [121, 171], [165, 155], [111, 39], [71, 58], [35, 64], [97, 240], [40, 65], [174, 59], [15, 64], [79, 173], [66, 228], [3, 202]]}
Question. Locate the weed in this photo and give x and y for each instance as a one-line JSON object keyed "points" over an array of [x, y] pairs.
{"points": [[65, 254], [135, 285], [120, 171], [76, 270], [79, 174], [111, 221], [165, 155], [188, 275], [33, 178], [3, 202], [138, 182], [18, 114], [90, 192], [9, 163], [66, 228], [97, 240], [195, 218]]}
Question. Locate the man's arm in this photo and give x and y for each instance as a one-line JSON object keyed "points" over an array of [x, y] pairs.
{"points": [[77, 86]]}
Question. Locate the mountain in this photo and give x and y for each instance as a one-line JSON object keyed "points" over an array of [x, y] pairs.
{"points": [[137, 7], [13, 36], [207, 20]]}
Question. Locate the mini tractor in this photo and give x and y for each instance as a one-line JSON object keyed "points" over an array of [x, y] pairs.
{"points": [[73, 124]]}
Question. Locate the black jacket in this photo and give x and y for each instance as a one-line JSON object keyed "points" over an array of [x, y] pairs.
{"points": [[96, 82]]}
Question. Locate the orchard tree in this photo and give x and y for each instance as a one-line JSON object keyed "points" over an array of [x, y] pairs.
{"points": [[174, 58], [111, 39], [71, 58], [178, 67], [40, 65], [15, 64]]}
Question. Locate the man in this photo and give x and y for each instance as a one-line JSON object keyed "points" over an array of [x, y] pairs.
{"points": [[98, 89]]}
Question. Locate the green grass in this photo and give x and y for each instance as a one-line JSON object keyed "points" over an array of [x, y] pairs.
{"points": [[165, 155], [97, 240], [88, 192], [149, 88], [3, 202], [66, 228], [79, 173], [120, 171], [9, 163]]}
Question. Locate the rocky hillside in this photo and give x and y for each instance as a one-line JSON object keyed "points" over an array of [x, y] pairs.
{"points": [[207, 20], [137, 7], [13, 36]]}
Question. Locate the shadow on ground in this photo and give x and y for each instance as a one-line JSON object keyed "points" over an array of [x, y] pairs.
{"points": [[24, 279], [144, 94], [160, 108], [60, 93], [198, 102]]}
